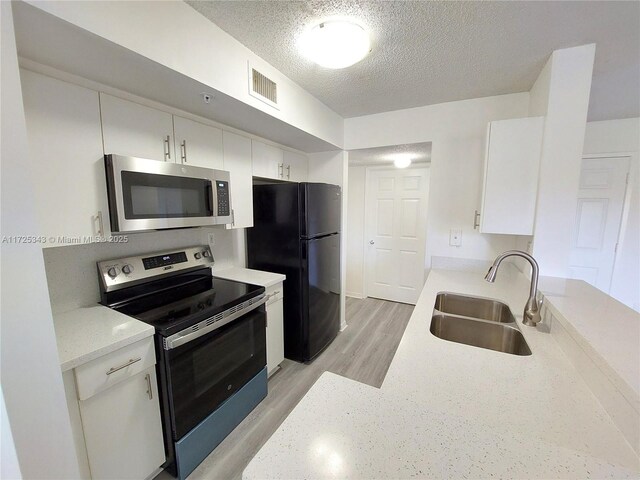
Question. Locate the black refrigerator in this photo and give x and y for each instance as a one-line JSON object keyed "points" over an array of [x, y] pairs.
{"points": [[296, 232]]}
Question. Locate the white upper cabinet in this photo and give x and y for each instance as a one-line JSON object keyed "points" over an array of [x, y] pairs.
{"points": [[511, 169], [296, 167], [65, 144], [237, 160], [134, 130], [197, 144], [267, 160]]}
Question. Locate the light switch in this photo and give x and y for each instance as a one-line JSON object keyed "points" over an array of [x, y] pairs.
{"points": [[455, 237], [212, 240]]}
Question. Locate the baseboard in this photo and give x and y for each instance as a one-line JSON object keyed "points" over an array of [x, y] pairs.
{"points": [[359, 296]]}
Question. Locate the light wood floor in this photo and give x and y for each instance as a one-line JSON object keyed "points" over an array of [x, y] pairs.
{"points": [[362, 352]]}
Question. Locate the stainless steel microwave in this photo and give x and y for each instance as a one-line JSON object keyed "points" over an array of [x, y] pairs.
{"points": [[154, 195]]}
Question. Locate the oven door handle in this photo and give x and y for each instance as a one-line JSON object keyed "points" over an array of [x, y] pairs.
{"points": [[183, 337]]}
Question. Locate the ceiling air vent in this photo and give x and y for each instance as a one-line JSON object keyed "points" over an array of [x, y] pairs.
{"points": [[262, 87]]}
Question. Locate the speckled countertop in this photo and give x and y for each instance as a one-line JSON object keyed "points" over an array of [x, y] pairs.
{"points": [[247, 275], [88, 333], [447, 410]]}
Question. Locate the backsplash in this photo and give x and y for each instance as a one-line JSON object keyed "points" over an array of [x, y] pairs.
{"points": [[71, 270]]}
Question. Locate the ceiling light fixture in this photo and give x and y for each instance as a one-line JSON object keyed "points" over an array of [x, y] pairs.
{"points": [[335, 43], [402, 160]]}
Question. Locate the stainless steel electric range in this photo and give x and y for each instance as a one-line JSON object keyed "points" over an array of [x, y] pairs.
{"points": [[210, 344]]}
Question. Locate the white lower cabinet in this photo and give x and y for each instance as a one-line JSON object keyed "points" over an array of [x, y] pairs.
{"points": [[120, 413], [275, 328]]}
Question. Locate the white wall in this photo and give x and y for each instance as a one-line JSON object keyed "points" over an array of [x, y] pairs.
{"points": [[355, 242], [333, 167], [9, 467], [31, 377], [457, 131], [561, 94], [174, 35], [76, 264], [623, 136]]}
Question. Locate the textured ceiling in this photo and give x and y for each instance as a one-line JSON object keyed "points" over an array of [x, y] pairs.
{"points": [[427, 52], [419, 152]]}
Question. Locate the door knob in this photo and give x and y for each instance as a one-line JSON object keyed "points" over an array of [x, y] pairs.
{"points": [[371, 242]]}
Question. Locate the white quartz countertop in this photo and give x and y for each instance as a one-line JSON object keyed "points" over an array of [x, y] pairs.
{"points": [[247, 275], [605, 327], [447, 410], [88, 333]]}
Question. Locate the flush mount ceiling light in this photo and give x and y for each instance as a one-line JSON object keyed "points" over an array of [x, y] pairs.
{"points": [[335, 43], [402, 160]]}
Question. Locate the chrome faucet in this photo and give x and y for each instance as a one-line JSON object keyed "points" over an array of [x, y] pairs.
{"points": [[531, 315]]}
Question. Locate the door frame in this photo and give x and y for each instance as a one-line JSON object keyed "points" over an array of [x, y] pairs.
{"points": [[367, 177], [632, 173]]}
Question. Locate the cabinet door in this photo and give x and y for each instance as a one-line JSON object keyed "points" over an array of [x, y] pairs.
{"points": [[296, 167], [511, 176], [267, 160], [275, 336], [134, 130], [237, 160], [123, 430], [197, 144], [63, 128]]}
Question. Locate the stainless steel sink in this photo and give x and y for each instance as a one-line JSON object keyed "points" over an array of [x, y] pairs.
{"points": [[479, 333], [474, 307]]}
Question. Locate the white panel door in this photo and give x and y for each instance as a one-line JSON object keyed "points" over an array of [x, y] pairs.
{"points": [[237, 160], [603, 184], [395, 238], [135, 130], [197, 144]]}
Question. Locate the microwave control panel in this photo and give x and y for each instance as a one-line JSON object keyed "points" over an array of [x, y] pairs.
{"points": [[222, 192]]}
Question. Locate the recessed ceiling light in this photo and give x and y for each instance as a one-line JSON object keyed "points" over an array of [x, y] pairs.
{"points": [[335, 43], [402, 160]]}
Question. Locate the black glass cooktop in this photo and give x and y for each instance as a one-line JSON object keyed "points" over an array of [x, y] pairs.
{"points": [[183, 301]]}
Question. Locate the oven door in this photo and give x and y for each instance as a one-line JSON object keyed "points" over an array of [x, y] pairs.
{"points": [[150, 195], [205, 371]]}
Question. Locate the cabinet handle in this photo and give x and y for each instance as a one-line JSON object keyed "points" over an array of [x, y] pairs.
{"points": [[281, 170], [183, 151], [130, 362], [100, 230], [476, 220], [233, 217], [288, 172], [147, 377], [167, 148]]}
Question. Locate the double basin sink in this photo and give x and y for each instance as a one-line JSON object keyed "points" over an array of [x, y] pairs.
{"points": [[480, 322]]}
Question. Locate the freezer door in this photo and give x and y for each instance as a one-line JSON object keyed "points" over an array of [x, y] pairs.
{"points": [[321, 272], [320, 207]]}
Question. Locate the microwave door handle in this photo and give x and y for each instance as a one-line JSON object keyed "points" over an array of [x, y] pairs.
{"points": [[210, 198]]}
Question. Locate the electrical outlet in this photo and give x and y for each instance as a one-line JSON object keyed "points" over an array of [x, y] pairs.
{"points": [[455, 237], [212, 239]]}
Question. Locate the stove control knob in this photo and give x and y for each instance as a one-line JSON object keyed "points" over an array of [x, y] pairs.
{"points": [[112, 272], [206, 253], [197, 255], [127, 269]]}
